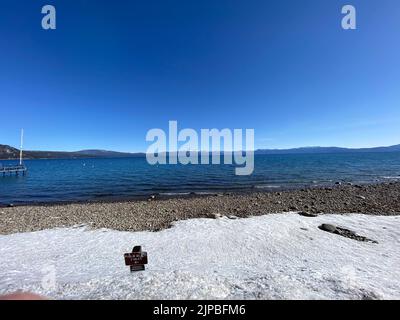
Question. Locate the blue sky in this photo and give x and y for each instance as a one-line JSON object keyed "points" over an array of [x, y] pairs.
{"points": [[115, 69]]}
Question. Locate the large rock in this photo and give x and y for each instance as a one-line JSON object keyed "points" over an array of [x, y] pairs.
{"points": [[328, 227], [345, 233], [308, 214]]}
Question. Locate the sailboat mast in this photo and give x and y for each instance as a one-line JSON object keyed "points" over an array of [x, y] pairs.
{"points": [[20, 150]]}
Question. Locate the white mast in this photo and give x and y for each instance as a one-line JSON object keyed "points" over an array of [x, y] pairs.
{"points": [[20, 150]]}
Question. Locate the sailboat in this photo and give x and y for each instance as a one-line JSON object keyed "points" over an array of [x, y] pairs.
{"points": [[19, 168]]}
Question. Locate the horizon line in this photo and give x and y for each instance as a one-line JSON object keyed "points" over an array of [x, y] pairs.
{"points": [[175, 151]]}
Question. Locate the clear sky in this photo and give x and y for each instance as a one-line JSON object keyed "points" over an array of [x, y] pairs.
{"points": [[115, 69]]}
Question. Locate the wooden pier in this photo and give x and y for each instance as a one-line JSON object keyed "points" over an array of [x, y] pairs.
{"points": [[10, 170], [16, 168]]}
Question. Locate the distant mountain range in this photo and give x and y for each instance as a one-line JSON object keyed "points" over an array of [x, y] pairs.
{"points": [[308, 150], [8, 152]]}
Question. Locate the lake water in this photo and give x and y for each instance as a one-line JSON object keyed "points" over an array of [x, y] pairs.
{"points": [[95, 179]]}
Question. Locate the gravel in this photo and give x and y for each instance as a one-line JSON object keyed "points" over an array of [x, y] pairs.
{"points": [[157, 214]]}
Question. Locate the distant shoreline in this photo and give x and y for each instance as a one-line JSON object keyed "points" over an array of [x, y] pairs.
{"points": [[157, 214], [10, 153], [82, 158]]}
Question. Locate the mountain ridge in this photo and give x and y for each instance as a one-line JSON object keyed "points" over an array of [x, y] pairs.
{"points": [[308, 150], [10, 153]]}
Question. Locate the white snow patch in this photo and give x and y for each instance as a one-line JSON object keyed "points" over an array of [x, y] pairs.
{"points": [[281, 256]]}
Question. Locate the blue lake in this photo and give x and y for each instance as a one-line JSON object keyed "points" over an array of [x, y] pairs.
{"points": [[95, 179]]}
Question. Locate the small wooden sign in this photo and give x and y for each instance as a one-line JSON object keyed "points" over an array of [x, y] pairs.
{"points": [[136, 259]]}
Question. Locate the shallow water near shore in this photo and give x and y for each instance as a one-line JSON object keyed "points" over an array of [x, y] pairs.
{"points": [[98, 179]]}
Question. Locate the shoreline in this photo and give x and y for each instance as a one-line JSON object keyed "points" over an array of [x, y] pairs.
{"points": [[240, 191], [155, 214]]}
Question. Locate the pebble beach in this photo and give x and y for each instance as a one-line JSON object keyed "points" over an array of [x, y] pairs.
{"points": [[154, 214]]}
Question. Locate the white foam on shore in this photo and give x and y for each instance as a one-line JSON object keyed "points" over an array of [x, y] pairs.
{"points": [[282, 256], [267, 186]]}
